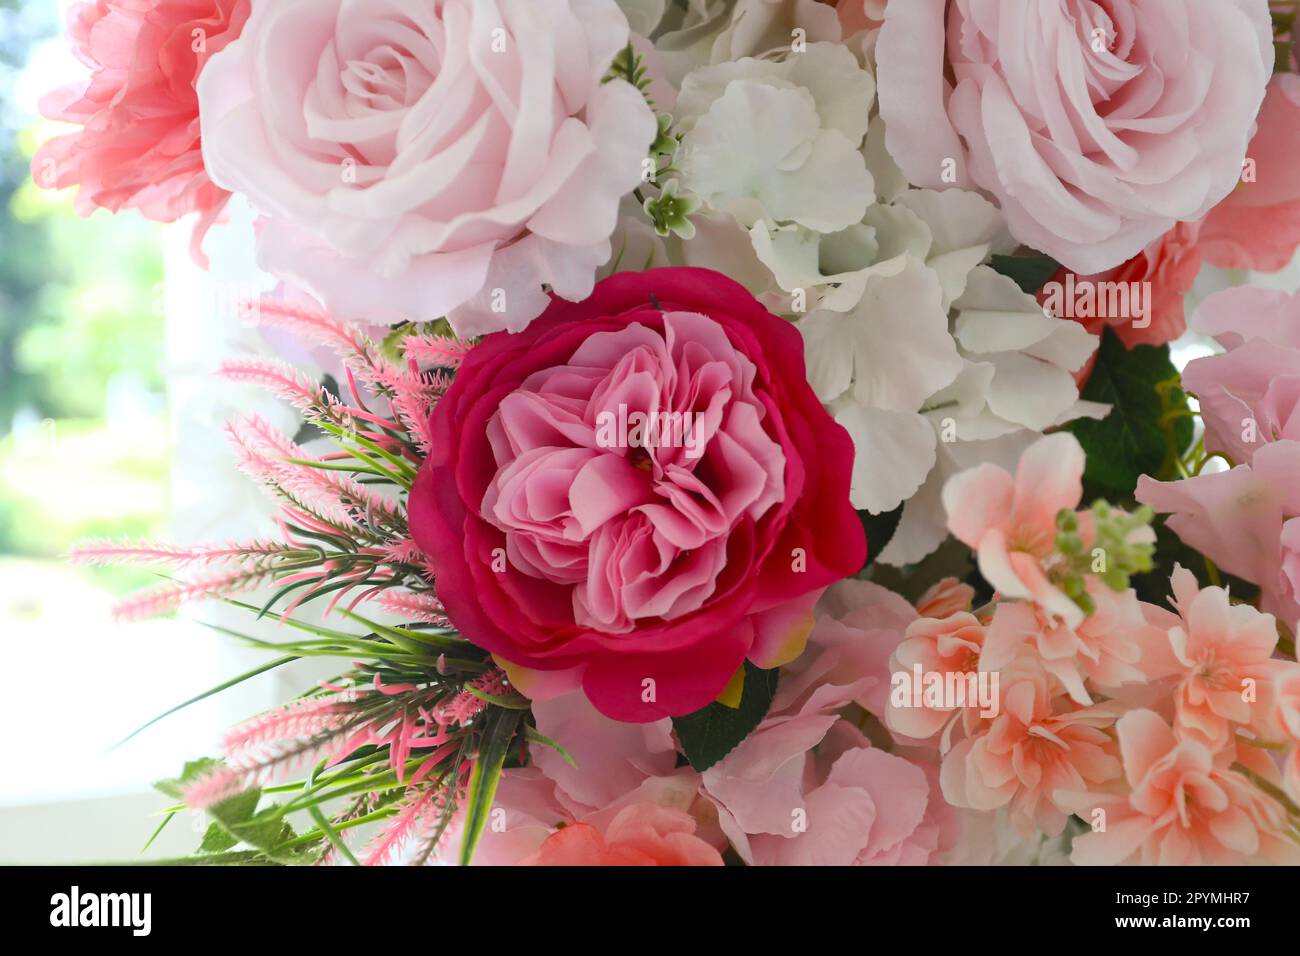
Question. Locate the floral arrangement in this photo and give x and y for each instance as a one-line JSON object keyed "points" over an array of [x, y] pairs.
{"points": [[754, 436]]}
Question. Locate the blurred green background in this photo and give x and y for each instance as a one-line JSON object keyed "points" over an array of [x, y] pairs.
{"points": [[83, 435]]}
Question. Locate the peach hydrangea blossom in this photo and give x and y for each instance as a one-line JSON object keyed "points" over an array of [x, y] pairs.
{"points": [[1183, 807], [1010, 522], [1106, 648], [1039, 744], [949, 645], [643, 834], [1225, 652]]}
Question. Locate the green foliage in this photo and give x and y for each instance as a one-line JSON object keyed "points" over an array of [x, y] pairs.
{"points": [[494, 747], [1029, 272], [711, 733], [1149, 425], [628, 66], [880, 529]]}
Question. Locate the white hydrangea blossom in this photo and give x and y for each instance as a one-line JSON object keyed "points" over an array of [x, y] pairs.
{"points": [[930, 359]]}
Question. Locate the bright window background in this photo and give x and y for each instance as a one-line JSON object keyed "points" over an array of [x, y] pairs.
{"points": [[109, 426]]}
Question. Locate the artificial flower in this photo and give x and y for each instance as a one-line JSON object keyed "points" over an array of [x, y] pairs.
{"points": [[1182, 807], [139, 145], [1242, 520], [1257, 226], [644, 834], [415, 163], [777, 140], [647, 568], [1095, 127], [1249, 396]]}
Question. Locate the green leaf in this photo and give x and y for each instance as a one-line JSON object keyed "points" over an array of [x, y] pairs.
{"points": [[710, 734], [1029, 272], [217, 840], [494, 745], [189, 773], [880, 529], [1131, 440], [207, 693]]}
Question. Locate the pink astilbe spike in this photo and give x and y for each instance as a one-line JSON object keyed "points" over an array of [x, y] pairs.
{"points": [[213, 787], [421, 813], [414, 606], [436, 350], [284, 382], [263, 452], [348, 341], [464, 707], [412, 396], [403, 551], [168, 597], [106, 552], [309, 717]]}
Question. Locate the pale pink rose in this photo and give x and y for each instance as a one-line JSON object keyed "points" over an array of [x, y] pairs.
{"points": [[1095, 126], [1183, 808], [139, 143], [1258, 225], [1244, 520], [644, 834], [426, 158], [1011, 522], [1106, 648], [942, 646], [1251, 395], [1039, 745]]}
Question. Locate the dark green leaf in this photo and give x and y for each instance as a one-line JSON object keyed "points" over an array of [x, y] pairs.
{"points": [[710, 734], [1029, 272], [1130, 441], [880, 529]]}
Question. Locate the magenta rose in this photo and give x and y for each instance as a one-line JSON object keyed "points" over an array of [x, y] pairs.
{"points": [[1096, 125], [636, 494]]}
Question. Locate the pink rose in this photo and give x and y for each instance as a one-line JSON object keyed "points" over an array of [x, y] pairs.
{"points": [[1096, 126], [427, 158], [139, 143], [638, 492], [644, 834], [1258, 225]]}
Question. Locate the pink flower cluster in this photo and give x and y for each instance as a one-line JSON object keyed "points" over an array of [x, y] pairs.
{"points": [[807, 787], [1154, 727], [1246, 519]]}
